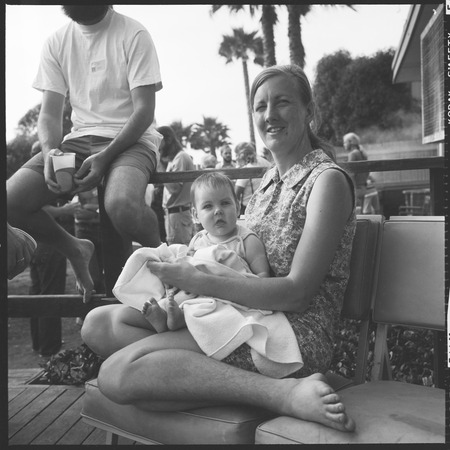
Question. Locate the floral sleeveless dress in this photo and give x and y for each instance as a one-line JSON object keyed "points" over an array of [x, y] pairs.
{"points": [[277, 214]]}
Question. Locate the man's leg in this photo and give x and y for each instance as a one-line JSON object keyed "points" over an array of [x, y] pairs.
{"points": [[27, 193], [126, 207]]}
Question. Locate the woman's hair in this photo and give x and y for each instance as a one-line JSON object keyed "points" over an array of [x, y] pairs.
{"points": [[169, 136], [212, 180], [245, 151], [306, 95]]}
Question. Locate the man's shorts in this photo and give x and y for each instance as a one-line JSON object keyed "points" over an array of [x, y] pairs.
{"points": [[138, 155]]}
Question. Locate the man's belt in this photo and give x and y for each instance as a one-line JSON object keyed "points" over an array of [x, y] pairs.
{"points": [[177, 209]]}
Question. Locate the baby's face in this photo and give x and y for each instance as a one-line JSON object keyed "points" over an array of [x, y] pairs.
{"points": [[217, 211]]}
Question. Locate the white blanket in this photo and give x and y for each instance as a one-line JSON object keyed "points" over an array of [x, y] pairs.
{"points": [[218, 326]]}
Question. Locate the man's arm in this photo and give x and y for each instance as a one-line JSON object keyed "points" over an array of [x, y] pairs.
{"points": [[50, 131], [143, 98], [94, 167]]}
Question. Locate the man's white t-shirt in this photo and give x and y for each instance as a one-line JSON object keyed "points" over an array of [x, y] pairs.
{"points": [[98, 66]]}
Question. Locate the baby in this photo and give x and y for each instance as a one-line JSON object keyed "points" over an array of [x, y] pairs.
{"points": [[216, 207]]}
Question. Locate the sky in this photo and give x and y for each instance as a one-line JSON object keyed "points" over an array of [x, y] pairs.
{"points": [[196, 80]]}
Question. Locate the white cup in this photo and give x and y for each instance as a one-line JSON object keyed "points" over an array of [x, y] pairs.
{"points": [[64, 167]]}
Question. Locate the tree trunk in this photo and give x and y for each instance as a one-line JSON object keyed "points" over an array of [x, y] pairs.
{"points": [[249, 106], [268, 20], [296, 50]]}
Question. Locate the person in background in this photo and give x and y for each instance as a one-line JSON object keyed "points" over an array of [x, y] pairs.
{"points": [[109, 65], [246, 187], [209, 162], [87, 226], [48, 271], [304, 212], [267, 155], [356, 153], [227, 158], [156, 202], [176, 196]]}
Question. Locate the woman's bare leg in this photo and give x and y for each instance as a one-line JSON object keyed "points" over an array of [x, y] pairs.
{"points": [[168, 372], [110, 328], [27, 194]]}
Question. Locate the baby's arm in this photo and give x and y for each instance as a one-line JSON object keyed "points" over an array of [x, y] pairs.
{"points": [[256, 256]]}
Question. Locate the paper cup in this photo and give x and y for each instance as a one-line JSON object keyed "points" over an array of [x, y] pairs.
{"points": [[64, 167]]}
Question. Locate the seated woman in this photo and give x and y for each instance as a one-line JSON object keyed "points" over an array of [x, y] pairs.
{"points": [[303, 211]]}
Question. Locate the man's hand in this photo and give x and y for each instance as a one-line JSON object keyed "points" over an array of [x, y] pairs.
{"points": [[49, 173], [91, 172]]}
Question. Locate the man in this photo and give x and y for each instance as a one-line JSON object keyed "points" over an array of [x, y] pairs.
{"points": [[108, 64], [227, 161], [176, 196]]}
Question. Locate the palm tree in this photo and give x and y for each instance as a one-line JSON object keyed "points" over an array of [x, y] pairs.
{"points": [[296, 49], [182, 133], [209, 135], [237, 46], [268, 20]]}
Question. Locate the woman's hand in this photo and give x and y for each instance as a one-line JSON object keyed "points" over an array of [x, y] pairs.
{"points": [[179, 274]]}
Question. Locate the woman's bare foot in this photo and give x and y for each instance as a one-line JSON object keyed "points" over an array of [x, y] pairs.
{"points": [[312, 399], [80, 265], [175, 316], [155, 315]]}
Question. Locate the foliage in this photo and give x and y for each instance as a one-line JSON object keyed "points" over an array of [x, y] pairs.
{"points": [[268, 21], [19, 148], [72, 367], [238, 46], [410, 353], [18, 152], [182, 133], [356, 94], [209, 135]]}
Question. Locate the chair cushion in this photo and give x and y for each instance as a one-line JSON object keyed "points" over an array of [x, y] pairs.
{"points": [[384, 412], [211, 425]]}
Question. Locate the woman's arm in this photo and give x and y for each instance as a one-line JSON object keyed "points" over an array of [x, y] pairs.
{"points": [[329, 207], [256, 256]]}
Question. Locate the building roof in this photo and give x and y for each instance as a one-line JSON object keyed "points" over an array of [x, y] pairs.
{"points": [[406, 62]]}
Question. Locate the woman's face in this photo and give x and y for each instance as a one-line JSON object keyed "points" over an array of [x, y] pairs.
{"points": [[280, 114]]}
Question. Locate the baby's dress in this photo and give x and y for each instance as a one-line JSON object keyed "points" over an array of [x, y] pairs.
{"points": [[277, 214], [231, 252]]}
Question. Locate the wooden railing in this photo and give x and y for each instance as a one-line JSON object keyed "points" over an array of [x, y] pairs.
{"points": [[72, 306]]}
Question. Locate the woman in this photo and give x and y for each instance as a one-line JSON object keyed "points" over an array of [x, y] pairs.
{"points": [[304, 213]]}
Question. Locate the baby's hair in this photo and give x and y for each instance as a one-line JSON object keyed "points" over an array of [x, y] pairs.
{"points": [[213, 180]]}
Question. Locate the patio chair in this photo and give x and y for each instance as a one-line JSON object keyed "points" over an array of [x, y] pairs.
{"points": [[410, 293]]}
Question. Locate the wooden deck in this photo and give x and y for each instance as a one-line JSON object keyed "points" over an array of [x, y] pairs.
{"points": [[48, 415]]}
